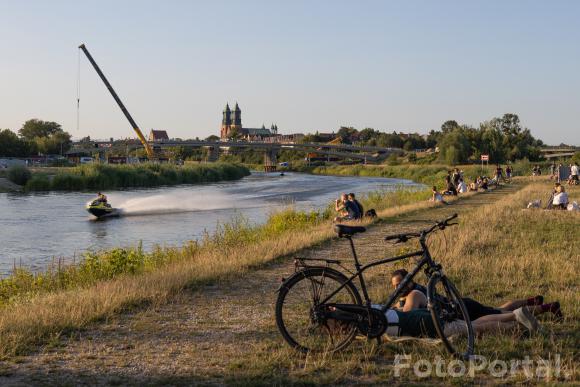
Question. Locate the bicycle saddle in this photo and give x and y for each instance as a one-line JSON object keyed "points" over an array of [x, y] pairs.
{"points": [[347, 231]]}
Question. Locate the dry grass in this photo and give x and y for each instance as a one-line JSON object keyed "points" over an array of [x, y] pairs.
{"points": [[226, 334], [500, 252], [34, 320]]}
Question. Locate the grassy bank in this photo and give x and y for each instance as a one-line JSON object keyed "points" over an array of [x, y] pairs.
{"points": [[499, 252], [427, 174], [101, 176], [37, 307]]}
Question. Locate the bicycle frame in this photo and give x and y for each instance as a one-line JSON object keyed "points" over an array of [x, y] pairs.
{"points": [[425, 260]]}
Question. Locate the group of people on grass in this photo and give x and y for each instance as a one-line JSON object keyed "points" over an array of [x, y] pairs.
{"points": [[455, 183], [348, 208]]}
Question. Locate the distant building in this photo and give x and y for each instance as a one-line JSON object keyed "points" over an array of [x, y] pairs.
{"points": [[232, 127], [158, 135]]}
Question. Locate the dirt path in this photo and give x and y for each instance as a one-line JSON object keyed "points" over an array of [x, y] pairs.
{"points": [[203, 336]]}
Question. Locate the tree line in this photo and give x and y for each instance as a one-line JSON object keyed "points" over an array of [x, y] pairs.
{"points": [[502, 138], [35, 137]]}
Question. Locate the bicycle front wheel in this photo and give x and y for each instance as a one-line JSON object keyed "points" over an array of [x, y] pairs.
{"points": [[298, 306], [450, 317]]}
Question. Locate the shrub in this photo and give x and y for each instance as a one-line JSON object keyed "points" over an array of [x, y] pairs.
{"points": [[101, 177], [19, 174], [38, 183]]}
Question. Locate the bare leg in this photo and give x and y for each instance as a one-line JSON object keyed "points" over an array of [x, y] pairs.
{"points": [[492, 326], [496, 318]]}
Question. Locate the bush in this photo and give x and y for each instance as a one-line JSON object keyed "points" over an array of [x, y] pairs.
{"points": [[19, 174], [38, 183], [99, 177]]}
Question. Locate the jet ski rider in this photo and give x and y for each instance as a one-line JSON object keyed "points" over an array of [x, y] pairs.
{"points": [[101, 198]]}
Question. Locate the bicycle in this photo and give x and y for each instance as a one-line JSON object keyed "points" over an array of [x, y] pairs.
{"points": [[320, 309]]}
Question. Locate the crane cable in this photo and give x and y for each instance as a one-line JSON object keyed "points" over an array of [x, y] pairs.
{"points": [[78, 89]]}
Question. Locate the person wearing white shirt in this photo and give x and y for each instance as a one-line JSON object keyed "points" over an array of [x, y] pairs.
{"points": [[574, 173], [461, 186], [560, 200]]}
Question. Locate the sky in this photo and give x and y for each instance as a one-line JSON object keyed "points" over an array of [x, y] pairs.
{"points": [[305, 65]]}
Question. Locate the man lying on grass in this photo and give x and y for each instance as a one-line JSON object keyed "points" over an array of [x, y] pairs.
{"points": [[414, 296]]}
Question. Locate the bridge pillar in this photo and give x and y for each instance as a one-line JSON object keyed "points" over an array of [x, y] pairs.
{"points": [[213, 154], [271, 160]]}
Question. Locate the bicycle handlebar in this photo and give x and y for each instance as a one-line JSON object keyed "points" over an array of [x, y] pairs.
{"points": [[405, 236]]}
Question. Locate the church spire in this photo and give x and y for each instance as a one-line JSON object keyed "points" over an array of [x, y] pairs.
{"points": [[226, 120]]}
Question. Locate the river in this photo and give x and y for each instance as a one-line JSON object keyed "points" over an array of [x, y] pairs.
{"points": [[36, 229]]}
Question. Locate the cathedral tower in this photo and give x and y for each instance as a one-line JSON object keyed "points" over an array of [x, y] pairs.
{"points": [[226, 122]]}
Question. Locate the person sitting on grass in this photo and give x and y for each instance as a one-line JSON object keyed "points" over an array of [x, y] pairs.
{"points": [[474, 185], [560, 197], [461, 186], [414, 296], [352, 198], [346, 209], [437, 197], [484, 184]]}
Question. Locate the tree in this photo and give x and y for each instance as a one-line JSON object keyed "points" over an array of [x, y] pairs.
{"points": [[449, 126], [348, 135], [11, 145], [57, 143], [212, 138], [454, 147], [367, 134], [234, 134], [37, 128]]}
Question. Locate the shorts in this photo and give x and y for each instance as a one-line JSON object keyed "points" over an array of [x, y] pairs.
{"points": [[476, 310]]}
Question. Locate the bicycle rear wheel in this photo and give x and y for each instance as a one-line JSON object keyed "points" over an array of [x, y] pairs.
{"points": [[298, 310], [450, 317]]}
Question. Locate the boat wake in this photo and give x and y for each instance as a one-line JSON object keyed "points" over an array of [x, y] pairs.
{"points": [[174, 203]]}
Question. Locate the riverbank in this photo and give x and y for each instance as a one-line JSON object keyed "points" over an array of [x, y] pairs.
{"points": [[218, 326], [106, 176], [70, 297], [8, 186], [431, 175]]}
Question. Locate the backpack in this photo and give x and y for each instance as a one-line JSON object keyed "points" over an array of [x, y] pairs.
{"points": [[371, 213]]}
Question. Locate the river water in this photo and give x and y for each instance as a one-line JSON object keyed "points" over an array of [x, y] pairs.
{"points": [[36, 229]]}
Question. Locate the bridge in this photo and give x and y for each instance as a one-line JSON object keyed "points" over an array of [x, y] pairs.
{"points": [[270, 149], [558, 152]]}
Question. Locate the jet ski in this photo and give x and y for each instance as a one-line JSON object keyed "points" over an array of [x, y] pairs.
{"points": [[101, 209]]}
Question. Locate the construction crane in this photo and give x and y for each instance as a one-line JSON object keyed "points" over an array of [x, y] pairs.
{"points": [[150, 153]]}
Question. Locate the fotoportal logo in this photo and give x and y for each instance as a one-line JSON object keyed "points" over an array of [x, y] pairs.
{"points": [[544, 369]]}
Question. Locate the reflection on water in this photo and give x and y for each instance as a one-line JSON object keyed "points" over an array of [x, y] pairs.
{"points": [[37, 227]]}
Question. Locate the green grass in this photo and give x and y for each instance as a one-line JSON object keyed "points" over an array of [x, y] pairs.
{"points": [[104, 265], [430, 175], [100, 176]]}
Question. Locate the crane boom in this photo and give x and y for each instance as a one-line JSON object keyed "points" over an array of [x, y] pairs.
{"points": [[148, 149]]}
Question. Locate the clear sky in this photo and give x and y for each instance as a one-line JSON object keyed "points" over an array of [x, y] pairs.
{"points": [[305, 65]]}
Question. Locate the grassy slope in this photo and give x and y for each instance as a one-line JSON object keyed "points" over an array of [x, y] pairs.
{"points": [[500, 251]]}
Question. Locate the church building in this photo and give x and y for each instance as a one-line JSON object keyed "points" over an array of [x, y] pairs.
{"points": [[232, 127]]}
